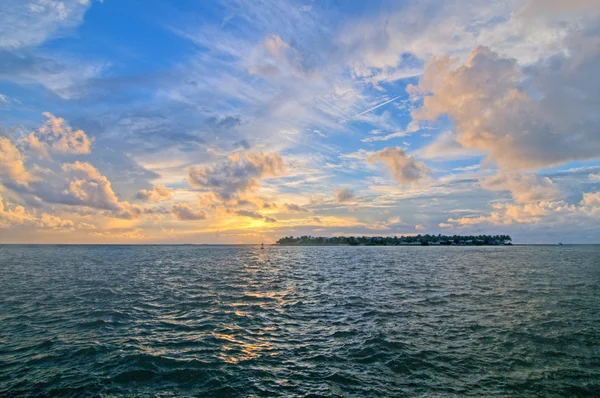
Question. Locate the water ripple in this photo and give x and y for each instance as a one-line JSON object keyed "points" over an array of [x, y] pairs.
{"points": [[299, 321]]}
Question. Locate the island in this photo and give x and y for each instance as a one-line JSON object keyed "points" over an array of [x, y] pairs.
{"points": [[419, 240]]}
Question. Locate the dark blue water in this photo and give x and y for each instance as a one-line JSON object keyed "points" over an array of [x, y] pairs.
{"points": [[296, 321]]}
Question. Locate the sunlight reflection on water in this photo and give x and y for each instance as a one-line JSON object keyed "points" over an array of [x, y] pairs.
{"points": [[357, 321]]}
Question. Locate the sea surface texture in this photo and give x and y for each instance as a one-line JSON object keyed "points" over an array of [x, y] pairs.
{"points": [[299, 321]]}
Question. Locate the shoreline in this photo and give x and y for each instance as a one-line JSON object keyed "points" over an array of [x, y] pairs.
{"points": [[404, 245]]}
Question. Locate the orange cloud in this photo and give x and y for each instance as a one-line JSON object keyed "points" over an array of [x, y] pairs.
{"points": [[55, 135], [156, 194], [12, 167], [404, 168]]}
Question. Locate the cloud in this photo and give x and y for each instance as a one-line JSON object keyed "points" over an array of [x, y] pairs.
{"points": [[223, 122], [239, 174], [14, 216], [394, 42], [12, 167], [28, 23], [391, 224], [290, 207], [243, 144], [17, 215], [386, 137], [524, 188], [507, 213], [344, 195], [275, 58], [247, 213], [7, 102], [120, 234], [404, 168], [247, 89], [445, 146], [53, 222], [85, 225], [277, 83], [85, 186], [549, 212], [472, 167], [251, 214], [537, 8], [64, 77], [58, 137], [594, 177], [530, 118], [156, 194], [89, 187], [379, 105], [129, 211], [183, 212], [591, 199]]}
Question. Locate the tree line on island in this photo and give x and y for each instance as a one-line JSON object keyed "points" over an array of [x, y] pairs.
{"points": [[423, 240]]}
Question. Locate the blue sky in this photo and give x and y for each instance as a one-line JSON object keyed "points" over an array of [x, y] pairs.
{"points": [[239, 121]]}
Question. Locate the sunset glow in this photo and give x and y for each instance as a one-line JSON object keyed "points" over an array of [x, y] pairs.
{"points": [[129, 122]]}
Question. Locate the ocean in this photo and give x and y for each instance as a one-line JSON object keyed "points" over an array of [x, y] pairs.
{"points": [[238, 321]]}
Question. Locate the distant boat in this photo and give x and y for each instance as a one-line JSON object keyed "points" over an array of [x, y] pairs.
{"points": [[560, 244]]}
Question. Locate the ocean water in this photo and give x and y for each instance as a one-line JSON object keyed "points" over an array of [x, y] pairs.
{"points": [[299, 321]]}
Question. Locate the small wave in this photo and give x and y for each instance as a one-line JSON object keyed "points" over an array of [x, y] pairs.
{"points": [[298, 321]]}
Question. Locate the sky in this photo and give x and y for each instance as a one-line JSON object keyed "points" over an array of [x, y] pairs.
{"points": [[242, 121]]}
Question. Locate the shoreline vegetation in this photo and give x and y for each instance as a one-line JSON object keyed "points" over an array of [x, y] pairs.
{"points": [[417, 240]]}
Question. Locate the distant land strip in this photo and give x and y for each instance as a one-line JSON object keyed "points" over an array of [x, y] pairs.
{"points": [[422, 240]]}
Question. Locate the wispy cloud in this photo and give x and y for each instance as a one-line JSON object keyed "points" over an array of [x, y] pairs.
{"points": [[239, 120], [375, 107]]}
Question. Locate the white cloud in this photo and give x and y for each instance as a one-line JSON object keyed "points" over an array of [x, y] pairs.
{"points": [[495, 114], [386, 137], [524, 188], [7, 102], [547, 212], [62, 75], [267, 81], [516, 214], [467, 168], [445, 147], [558, 8], [28, 23], [378, 44]]}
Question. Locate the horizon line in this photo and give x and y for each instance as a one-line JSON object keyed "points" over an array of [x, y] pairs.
{"points": [[268, 244]]}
